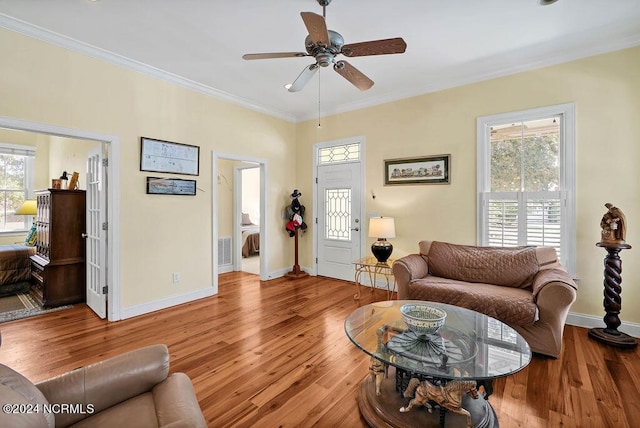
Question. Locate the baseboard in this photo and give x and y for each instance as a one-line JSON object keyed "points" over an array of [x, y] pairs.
{"points": [[590, 321], [225, 268], [145, 308]]}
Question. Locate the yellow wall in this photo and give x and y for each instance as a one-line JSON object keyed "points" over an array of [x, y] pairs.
{"points": [[606, 90], [168, 234], [160, 234]]}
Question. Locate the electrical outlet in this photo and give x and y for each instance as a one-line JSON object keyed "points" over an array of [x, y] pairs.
{"points": [[175, 277]]}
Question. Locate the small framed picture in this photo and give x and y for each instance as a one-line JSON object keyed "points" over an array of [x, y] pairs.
{"points": [[419, 170], [170, 186]]}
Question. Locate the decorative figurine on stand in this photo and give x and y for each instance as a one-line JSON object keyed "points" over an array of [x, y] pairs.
{"points": [[614, 229], [294, 214]]}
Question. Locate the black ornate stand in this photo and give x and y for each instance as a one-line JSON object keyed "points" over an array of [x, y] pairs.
{"points": [[612, 300]]}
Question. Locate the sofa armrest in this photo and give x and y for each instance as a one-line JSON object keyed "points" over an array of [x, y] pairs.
{"points": [[106, 383], [406, 269], [176, 403], [547, 276]]}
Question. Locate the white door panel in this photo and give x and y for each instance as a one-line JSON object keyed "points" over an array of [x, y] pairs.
{"points": [[96, 234], [339, 222]]}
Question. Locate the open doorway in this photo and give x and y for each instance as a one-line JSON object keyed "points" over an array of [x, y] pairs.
{"points": [[227, 213], [247, 202], [73, 145]]}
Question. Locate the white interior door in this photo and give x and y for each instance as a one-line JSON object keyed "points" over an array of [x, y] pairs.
{"points": [[339, 219], [96, 235]]}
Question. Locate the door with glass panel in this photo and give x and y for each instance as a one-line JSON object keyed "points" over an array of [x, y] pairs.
{"points": [[339, 225], [96, 233]]}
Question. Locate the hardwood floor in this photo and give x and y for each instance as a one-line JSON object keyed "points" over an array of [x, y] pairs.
{"points": [[274, 354]]}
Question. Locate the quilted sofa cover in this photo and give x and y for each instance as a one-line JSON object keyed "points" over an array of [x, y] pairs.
{"points": [[524, 287]]}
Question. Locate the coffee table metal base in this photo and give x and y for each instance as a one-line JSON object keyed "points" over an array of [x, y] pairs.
{"points": [[384, 410]]}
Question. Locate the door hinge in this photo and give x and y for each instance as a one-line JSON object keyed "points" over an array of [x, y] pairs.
{"points": [[316, 220], [316, 180], [105, 289], [105, 162], [316, 260], [105, 226]]}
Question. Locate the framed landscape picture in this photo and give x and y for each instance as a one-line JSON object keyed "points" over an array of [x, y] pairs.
{"points": [[419, 170], [170, 186]]}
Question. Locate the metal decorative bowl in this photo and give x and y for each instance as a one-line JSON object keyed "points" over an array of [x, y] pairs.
{"points": [[422, 318]]}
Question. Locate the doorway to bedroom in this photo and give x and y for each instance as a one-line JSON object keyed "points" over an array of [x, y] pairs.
{"points": [[227, 227], [247, 177]]}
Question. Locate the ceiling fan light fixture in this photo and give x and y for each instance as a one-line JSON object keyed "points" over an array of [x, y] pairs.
{"points": [[547, 2]]}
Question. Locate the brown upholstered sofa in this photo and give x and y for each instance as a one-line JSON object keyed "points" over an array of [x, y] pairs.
{"points": [[524, 287], [129, 390]]}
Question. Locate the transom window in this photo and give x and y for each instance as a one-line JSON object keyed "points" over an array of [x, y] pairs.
{"points": [[526, 180], [16, 185], [343, 153]]}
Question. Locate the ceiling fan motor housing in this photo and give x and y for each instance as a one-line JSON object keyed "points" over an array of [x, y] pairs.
{"points": [[325, 55]]}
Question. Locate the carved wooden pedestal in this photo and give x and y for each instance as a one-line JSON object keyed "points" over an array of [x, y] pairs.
{"points": [[384, 410], [612, 300]]}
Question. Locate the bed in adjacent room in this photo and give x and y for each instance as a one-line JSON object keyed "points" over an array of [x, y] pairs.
{"points": [[250, 236], [15, 268]]}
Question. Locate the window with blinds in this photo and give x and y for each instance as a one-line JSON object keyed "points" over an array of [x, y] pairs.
{"points": [[525, 181], [16, 185]]}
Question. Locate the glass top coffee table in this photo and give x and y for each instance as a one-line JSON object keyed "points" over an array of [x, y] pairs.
{"points": [[465, 354]]}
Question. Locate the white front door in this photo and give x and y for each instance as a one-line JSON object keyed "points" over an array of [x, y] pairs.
{"points": [[339, 226], [96, 235]]}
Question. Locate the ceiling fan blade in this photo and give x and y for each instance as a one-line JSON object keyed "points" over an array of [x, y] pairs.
{"points": [[317, 28], [274, 55], [304, 77], [375, 47], [353, 75]]}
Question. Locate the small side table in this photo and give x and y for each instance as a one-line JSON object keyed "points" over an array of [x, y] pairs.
{"points": [[372, 267]]}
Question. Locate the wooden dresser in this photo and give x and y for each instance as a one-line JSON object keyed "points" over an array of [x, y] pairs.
{"points": [[58, 270]]}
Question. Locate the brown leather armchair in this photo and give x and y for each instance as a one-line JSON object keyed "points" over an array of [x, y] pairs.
{"points": [[132, 389]]}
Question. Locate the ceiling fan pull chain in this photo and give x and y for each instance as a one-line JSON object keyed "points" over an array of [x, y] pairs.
{"points": [[319, 73]]}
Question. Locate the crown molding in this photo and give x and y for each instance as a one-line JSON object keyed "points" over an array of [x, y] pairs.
{"points": [[27, 29], [454, 79]]}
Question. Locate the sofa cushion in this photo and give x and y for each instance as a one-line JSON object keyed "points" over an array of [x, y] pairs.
{"points": [[512, 306], [16, 389], [509, 267]]}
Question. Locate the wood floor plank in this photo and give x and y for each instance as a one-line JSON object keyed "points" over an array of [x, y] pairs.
{"points": [[274, 353]]}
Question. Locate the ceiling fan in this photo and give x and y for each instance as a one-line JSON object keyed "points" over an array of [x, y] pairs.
{"points": [[324, 45]]}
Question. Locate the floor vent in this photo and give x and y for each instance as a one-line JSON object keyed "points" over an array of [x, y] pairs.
{"points": [[224, 251]]}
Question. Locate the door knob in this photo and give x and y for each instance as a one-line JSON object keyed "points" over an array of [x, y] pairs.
{"points": [[84, 235], [355, 228]]}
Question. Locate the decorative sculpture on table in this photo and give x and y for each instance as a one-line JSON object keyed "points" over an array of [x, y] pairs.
{"points": [[614, 229], [448, 396], [614, 226]]}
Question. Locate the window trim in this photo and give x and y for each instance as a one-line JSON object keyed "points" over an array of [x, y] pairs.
{"points": [[567, 170]]}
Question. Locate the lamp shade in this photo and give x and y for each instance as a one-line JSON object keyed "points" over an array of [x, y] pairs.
{"points": [[382, 227], [28, 207]]}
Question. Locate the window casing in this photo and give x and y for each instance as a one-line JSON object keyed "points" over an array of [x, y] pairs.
{"points": [[526, 180], [16, 185]]}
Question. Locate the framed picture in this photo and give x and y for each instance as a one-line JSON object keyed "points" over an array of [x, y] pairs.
{"points": [[170, 186], [168, 157], [421, 170]]}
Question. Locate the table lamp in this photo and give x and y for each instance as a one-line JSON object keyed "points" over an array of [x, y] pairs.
{"points": [[382, 228], [29, 207]]}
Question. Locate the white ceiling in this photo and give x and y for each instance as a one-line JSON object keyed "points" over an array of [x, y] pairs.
{"points": [[200, 43]]}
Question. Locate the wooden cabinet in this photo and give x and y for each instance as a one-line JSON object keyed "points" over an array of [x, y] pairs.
{"points": [[58, 270]]}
